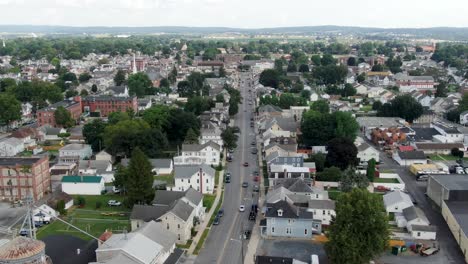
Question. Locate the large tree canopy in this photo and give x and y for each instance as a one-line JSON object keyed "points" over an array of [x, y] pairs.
{"points": [[139, 84], [403, 106], [360, 230], [341, 153]]}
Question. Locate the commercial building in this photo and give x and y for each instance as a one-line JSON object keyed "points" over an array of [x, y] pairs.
{"points": [[104, 105], [21, 177], [46, 116]]}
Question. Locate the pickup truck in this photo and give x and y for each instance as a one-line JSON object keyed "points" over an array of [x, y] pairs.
{"points": [[429, 251]]}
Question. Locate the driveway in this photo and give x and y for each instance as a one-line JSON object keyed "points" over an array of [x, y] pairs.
{"points": [[298, 249]]}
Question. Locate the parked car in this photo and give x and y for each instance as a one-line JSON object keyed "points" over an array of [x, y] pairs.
{"points": [[256, 178], [247, 234], [422, 177], [227, 179], [241, 208], [254, 208], [245, 184], [114, 203], [38, 224], [429, 251], [256, 188], [254, 151], [41, 217], [115, 189], [252, 216], [231, 150], [216, 221], [221, 212]]}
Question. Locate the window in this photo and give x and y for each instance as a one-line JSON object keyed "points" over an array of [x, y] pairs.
{"points": [[188, 180], [207, 180], [178, 226], [178, 236], [305, 231], [198, 180], [419, 234], [316, 196], [323, 211], [272, 229], [167, 225]]}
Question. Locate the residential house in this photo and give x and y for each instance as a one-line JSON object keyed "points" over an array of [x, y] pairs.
{"points": [[104, 155], [118, 91], [298, 111], [279, 126], [464, 117], [160, 166], [408, 83], [322, 210], [211, 134], [269, 110], [97, 167], [33, 173], [279, 173], [296, 160], [450, 133], [144, 104], [408, 158], [27, 136], [396, 201], [200, 177], [52, 133], [46, 116], [10, 147], [83, 151], [151, 243], [83, 185], [190, 196], [177, 218], [286, 220], [416, 222], [366, 152], [60, 196], [193, 154], [438, 148]]}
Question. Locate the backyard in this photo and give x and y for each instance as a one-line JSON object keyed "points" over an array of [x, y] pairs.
{"points": [[90, 218], [386, 180]]}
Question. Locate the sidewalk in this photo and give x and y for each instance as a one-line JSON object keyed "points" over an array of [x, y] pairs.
{"points": [[255, 237], [206, 219]]}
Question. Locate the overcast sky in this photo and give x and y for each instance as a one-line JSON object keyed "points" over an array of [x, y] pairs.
{"points": [[236, 13]]}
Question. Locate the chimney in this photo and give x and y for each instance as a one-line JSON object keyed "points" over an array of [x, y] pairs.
{"points": [[280, 212]]}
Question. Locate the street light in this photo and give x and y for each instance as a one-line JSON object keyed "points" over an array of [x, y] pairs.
{"points": [[242, 247]]}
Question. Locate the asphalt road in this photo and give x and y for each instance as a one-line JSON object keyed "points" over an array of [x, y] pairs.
{"points": [[448, 245], [223, 244]]}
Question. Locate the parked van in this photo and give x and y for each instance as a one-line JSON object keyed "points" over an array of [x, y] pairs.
{"points": [[315, 259]]}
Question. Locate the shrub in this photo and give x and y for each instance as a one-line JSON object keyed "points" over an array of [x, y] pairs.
{"points": [[60, 207], [80, 201], [98, 204]]}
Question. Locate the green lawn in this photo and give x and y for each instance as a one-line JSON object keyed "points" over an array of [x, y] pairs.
{"points": [[92, 199], [201, 241], [366, 108], [387, 171], [391, 217], [185, 246], [217, 175], [386, 180], [445, 157], [168, 178], [220, 203], [333, 195], [208, 201]]}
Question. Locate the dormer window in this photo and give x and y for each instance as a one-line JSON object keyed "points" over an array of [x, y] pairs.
{"points": [[280, 212]]}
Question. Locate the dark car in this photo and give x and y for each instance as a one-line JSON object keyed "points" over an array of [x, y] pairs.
{"points": [[245, 184], [256, 178], [227, 179], [220, 212], [247, 234], [254, 151], [216, 221], [256, 173], [38, 224], [254, 208], [256, 188], [246, 164], [253, 143], [252, 216]]}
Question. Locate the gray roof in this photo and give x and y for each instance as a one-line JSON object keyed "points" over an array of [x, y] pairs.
{"points": [[412, 155], [459, 212], [424, 228], [296, 185], [397, 196], [175, 256], [163, 197], [371, 121], [181, 209], [198, 147], [414, 212], [287, 147], [52, 130], [363, 146], [186, 171], [289, 211], [99, 165], [193, 196], [13, 161], [154, 231], [269, 109], [148, 212], [155, 163], [452, 181], [75, 146], [322, 204], [117, 89]]}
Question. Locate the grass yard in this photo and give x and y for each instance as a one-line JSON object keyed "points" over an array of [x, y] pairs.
{"points": [[201, 241], [220, 203], [439, 157], [208, 201], [185, 246], [168, 178], [366, 108], [92, 199], [386, 180], [217, 175], [333, 195]]}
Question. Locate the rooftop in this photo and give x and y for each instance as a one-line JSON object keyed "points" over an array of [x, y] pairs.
{"points": [[452, 181], [459, 212], [384, 122], [75, 147], [19, 161], [82, 179], [20, 248]]}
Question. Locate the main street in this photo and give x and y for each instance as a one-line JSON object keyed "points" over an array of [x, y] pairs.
{"points": [[224, 241]]}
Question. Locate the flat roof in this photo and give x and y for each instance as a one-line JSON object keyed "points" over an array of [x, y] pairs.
{"points": [[452, 181], [371, 121], [458, 209], [18, 161]]}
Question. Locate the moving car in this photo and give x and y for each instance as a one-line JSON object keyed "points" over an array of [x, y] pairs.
{"points": [[246, 164], [241, 208], [256, 188], [114, 203], [247, 234], [256, 178], [227, 179], [252, 216], [245, 184], [221, 212]]}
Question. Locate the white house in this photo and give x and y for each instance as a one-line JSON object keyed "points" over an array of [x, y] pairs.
{"points": [[84, 185], [416, 222], [76, 150], [195, 154], [10, 147], [52, 133], [366, 152], [211, 134], [361, 89], [104, 155], [160, 166], [464, 118], [451, 133], [407, 158], [97, 167], [43, 211], [199, 177], [396, 201], [322, 210]]}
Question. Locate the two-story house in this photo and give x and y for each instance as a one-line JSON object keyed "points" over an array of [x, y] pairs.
{"points": [[366, 152], [97, 167], [286, 220], [10, 147], [211, 134], [76, 150], [199, 177], [278, 173], [190, 196], [194, 154]]}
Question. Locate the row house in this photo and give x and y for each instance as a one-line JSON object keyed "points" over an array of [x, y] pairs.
{"points": [[104, 105]]}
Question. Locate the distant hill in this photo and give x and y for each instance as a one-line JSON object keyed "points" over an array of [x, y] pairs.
{"points": [[447, 33]]}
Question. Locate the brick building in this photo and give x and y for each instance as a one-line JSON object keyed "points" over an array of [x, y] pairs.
{"points": [[45, 116], [104, 105], [20, 177]]}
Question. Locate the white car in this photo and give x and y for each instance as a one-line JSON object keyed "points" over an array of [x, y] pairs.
{"points": [[114, 203], [241, 208]]}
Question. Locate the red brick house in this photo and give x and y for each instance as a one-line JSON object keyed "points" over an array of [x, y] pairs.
{"points": [[21, 177], [45, 116], [104, 105]]}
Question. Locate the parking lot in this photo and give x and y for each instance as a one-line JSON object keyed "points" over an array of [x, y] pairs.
{"points": [[298, 249]]}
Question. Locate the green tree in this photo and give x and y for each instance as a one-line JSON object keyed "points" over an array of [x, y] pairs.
{"points": [[304, 68], [327, 59], [210, 54], [353, 179], [330, 74], [10, 108], [63, 117], [157, 116], [233, 107], [292, 67], [404, 106], [377, 105], [198, 104], [191, 137], [361, 78], [93, 133], [84, 77], [164, 83], [222, 72], [319, 160], [332, 174], [441, 89], [352, 61], [270, 78], [360, 230], [94, 88], [84, 93], [116, 117], [320, 106], [119, 78], [122, 137], [341, 153], [172, 77], [121, 178], [370, 171], [316, 60], [140, 178], [139, 84], [229, 138]]}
